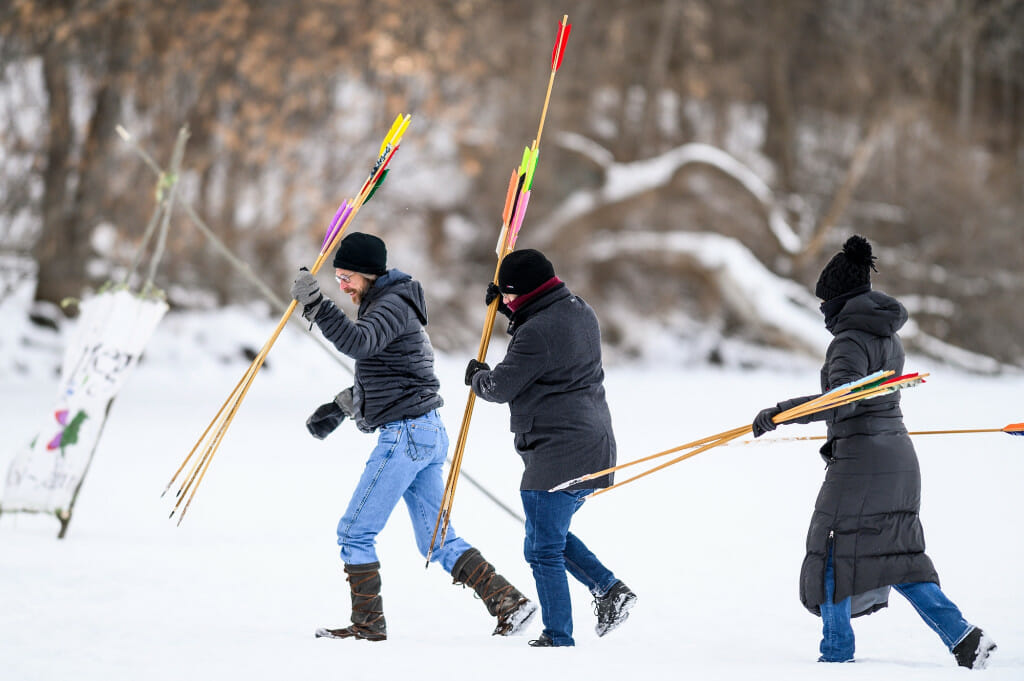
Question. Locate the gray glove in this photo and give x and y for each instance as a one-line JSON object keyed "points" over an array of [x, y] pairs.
{"points": [[345, 402], [306, 290]]}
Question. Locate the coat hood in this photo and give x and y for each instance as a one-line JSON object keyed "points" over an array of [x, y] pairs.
{"points": [[873, 312], [401, 284]]}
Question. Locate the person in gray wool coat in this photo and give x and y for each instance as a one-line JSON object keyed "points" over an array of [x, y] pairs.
{"points": [[865, 536], [553, 381], [395, 394]]}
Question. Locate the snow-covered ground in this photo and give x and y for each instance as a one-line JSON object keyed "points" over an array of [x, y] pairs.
{"points": [[712, 545]]}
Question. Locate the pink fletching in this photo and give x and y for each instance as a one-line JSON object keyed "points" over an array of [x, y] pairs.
{"points": [[524, 201]]}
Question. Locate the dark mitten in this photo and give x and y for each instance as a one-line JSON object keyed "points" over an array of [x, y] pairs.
{"points": [[827, 452], [763, 421], [493, 292], [306, 291], [324, 420], [473, 367]]}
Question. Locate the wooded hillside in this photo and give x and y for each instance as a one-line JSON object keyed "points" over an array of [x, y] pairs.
{"points": [[780, 126]]}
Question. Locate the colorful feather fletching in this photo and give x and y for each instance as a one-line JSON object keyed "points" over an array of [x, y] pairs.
{"points": [[558, 51], [1014, 429]]}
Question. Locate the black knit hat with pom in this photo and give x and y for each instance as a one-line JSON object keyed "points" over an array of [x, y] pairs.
{"points": [[848, 269]]}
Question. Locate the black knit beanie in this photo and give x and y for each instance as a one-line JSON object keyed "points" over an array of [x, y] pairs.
{"points": [[523, 271], [363, 253], [848, 269]]}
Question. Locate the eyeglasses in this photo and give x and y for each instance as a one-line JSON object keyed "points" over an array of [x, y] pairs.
{"points": [[343, 278]]}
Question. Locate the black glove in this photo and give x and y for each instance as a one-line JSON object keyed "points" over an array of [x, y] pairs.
{"points": [[763, 421], [306, 290], [325, 420], [473, 367], [494, 292]]}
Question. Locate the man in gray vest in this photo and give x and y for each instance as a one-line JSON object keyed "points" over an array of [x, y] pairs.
{"points": [[395, 394]]}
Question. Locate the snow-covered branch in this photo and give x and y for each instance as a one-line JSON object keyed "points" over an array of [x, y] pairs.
{"points": [[781, 307], [623, 181]]}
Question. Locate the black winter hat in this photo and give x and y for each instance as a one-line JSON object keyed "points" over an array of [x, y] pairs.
{"points": [[848, 269], [523, 271], [363, 253]]}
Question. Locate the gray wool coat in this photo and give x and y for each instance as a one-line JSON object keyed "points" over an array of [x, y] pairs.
{"points": [[553, 381], [868, 505], [394, 359]]}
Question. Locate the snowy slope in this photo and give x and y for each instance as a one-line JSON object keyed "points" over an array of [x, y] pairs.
{"points": [[712, 546]]}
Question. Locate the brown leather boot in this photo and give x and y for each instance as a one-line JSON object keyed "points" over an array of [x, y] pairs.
{"points": [[367, 606], [513, 610]]}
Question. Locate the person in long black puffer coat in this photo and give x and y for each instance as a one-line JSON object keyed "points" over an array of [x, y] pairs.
{"points": [[865, 535]]}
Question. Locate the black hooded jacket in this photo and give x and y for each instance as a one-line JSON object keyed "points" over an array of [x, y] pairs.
{"points": [[394, 359], [553, 381]]}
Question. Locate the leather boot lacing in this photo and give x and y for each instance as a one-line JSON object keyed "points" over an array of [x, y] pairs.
{"points": [[494, 590], [364, 615]]}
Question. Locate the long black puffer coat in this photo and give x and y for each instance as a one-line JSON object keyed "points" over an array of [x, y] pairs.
{"points": [[394, 359], [868, 505]]}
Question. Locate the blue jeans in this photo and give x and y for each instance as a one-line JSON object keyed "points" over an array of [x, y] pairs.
{"points": [[406, 464], [551, 550], [935, 609]]}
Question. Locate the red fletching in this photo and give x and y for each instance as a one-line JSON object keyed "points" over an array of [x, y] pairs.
{"points": [[904, 377], [558, 51], [382, 163]]}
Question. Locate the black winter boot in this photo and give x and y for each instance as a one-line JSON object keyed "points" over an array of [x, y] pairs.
{"points": [[613, 608], [367, 605], [543, 641], [513, 610], [973, 651]]}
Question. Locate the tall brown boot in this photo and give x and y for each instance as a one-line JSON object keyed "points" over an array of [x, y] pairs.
{"points": [[513, 610], [367, 605]]}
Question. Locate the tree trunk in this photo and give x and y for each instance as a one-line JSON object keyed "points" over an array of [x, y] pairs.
{"points": [[61, 250], [780, 128]]}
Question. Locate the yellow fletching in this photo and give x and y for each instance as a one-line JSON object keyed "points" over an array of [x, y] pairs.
{"points": [[391, 132], [401, 131]]}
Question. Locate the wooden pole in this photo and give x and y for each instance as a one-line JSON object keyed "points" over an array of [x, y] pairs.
{"points": [[839, 396], [226, 414], [506, 242], [739, 432]]}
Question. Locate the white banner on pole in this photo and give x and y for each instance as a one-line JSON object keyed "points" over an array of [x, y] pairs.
{"points": [[111, 333]]}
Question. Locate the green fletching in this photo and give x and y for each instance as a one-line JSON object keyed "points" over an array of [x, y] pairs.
{"points": [[524, 165], [872, 385], [377, 186], [530, 168]]}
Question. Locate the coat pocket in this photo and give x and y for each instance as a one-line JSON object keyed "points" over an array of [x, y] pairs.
{"points": [[521, 425]]}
